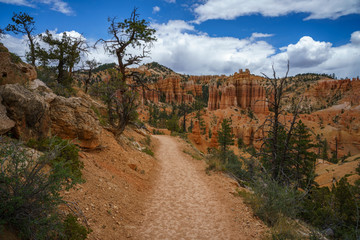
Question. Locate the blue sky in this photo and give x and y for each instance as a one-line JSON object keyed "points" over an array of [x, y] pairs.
{"points": [[215, 36]]}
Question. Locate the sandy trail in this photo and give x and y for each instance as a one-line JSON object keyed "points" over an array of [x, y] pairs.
{"points": [[184, 205]]}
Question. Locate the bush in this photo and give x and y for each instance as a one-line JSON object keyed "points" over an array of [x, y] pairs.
{"points": [[48, 76], [15, 58], [73, 230], [68, 154], [272, 201], [336, 208], [30, 188], [148, 151]]}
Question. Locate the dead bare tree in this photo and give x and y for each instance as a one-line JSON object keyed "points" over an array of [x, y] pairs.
{"points": [[278, 147]]}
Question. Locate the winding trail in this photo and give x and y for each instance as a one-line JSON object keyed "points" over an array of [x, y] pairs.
{"points": [[185, 206]]}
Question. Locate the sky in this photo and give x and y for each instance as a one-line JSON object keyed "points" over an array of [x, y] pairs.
{"points": [[213, 37]]}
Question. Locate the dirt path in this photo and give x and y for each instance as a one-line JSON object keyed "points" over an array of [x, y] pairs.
{"points": [[188, 204]]}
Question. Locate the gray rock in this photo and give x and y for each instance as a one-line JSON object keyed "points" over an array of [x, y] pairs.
{"points": [[73, 118], [6, 124], [28, 110]]}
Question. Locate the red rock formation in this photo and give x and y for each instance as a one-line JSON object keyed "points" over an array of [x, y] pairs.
{"points": [[242, 90], [228, 96], [173, 89], [324, 87], [214, 138], [196, 135], [214, 98]]}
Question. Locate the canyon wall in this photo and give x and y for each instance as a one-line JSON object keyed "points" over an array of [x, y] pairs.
{"points": [[172, 90], [240, 90]]}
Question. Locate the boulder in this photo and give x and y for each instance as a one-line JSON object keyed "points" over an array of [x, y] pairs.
{"points": [[72, 118], [13, 70], [28, 110], [6, 124]]}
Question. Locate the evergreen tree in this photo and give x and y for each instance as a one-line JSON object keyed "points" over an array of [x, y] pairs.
{"points": [[225, 137], [184, 109], [240, 143], [324, 150], [303, 160], [65, 52], [24, 24], [126, 36]]}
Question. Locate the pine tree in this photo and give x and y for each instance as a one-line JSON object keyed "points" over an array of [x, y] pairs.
{"points": [[225, 137], [240, 142], [24, 24], [324, 150], [302, 168]]}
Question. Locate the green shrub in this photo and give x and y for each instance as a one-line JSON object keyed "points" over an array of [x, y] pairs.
{"points": [[157, 132], [272, 201], [73, 229], [68, 154], [147, 140], [48, 76], [148, 151], [15, 58], [336, 208], [102, 119], [30, 189]]}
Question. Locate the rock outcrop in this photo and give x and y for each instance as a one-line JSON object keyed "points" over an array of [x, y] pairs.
{"points": [[35, 111], [6, 124], [241, 90], [28, 110], [172, 90], [13, 70], [196, 135], [214, 138], [72, 118]]}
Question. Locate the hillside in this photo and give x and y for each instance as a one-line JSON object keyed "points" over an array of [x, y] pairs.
{"points": [[130, 193]]}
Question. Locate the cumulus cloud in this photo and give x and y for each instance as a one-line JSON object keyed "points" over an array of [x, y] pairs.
{"points": [[308, 55], [56, 5], [171, 1], [355, 38], [231, 9], [156, 9], [19, 46], [184, 49]]}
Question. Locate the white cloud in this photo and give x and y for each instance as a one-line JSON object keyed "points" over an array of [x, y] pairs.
{"points": [[355, 38], [171, 1], [56, 5], [18, 2], [184, 49], [319, 9], [308, 55], [19, 46], [15, 45], [256, 35], [156, 9]]}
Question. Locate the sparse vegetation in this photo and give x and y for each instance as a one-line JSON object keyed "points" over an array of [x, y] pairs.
{"points": [[148, 151], [30, 186]]}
